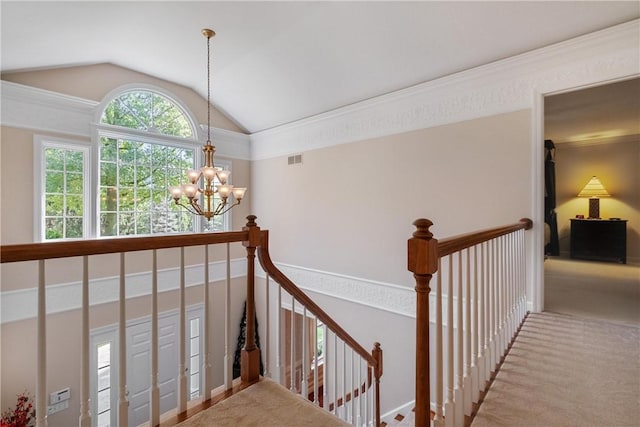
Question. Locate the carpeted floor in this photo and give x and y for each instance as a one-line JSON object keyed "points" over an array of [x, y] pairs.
{"points": [[264, 404], [592, 289], [565, 370]]}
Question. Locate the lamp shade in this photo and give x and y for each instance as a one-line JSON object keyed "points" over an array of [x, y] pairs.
{"points": [[594, 188]]}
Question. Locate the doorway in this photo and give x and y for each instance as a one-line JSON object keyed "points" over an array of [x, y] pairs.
{"points": [[596, 132]]}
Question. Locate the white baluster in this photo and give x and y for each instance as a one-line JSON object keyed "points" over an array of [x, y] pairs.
{"points": [[206, 361], [267, 357], [458, 394], [449, 408], [360, 392], [304, 387], [475, 336], [182, 328], [467, 386], [123, 403], [335, 374], [41, 378], [316, 400], [85, 415], [292, 368], [482, 323], [325, 368], [344, 381], [154, 390], [439, 419], [228, 350], [280, 367], [352, 390]]}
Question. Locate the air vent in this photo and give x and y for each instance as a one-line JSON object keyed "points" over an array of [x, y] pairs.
{"points": [[295, 159]]}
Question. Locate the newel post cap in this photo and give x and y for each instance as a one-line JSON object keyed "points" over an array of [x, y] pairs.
{"points": [[254, 232], [422, 249]]}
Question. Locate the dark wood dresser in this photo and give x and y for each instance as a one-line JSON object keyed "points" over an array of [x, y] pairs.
{"points": [[599, 239]]}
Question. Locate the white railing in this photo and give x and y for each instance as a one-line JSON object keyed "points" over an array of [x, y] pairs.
{"points": [[480, 301], [363, 368]]}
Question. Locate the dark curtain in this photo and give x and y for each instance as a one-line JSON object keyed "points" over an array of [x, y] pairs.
{"points": [[553, 247]]}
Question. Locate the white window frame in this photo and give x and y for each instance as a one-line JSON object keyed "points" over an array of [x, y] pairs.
{"points": [[40, 144], [91, 164]]}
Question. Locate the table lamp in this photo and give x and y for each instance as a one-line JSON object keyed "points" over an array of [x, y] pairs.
{"points": [[594, 190]]}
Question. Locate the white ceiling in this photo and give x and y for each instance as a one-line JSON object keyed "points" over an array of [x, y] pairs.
{"points": [[277, 62]]}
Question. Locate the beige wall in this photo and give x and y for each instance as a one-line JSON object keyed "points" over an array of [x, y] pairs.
{"points": [[617, 165], [348, 209]]}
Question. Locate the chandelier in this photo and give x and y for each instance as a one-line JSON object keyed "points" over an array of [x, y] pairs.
{"points": [[201, 200]]}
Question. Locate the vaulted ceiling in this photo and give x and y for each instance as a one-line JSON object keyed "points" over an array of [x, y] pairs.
{"points": [[278, 62]]}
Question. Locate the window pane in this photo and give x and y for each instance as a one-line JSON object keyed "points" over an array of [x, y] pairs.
{"points": [[108, 149], [127, 201], [54, 205], [54, 159], [195, 346], [104, 400], [74, 205], [74, 228], [127, 175], [104, 355], [108, 199], [195, 385], [108, 174], [104, 419], [195, 328], [194, 363], [108, 224], [143, 223], [74, 183], [127, 224], [104, 378], [54, 182], [126, 151], [74, 160], [54, 228]]}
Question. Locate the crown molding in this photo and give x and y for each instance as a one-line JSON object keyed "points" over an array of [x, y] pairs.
{"points": [[44, 111], [22, 304], [27, 107], [500, 87]]}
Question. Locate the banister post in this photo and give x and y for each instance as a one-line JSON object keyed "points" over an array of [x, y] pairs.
{"points": [[250, 356], [377, 355], [422, 262]]}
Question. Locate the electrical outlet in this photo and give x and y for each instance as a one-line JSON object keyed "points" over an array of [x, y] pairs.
{"points": [[58, 407]]}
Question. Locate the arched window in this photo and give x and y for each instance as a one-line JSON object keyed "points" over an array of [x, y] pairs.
{"points": [[145, 140], [142, 153], [148, 111]]}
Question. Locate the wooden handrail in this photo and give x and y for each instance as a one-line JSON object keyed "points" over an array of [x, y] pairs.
{"points": [[374, 358], [49, 250], [294, 291], [457, 243]]}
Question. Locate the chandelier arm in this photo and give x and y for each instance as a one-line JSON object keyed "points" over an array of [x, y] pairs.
{"points": [[228, 208], [187, 207]]}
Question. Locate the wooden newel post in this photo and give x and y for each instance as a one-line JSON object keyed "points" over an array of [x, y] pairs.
{"points": [[250, 356], [377, 355], [422, 262]]}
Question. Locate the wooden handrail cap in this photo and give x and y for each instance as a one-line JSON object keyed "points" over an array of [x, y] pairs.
{"points": [[422, 225]]}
